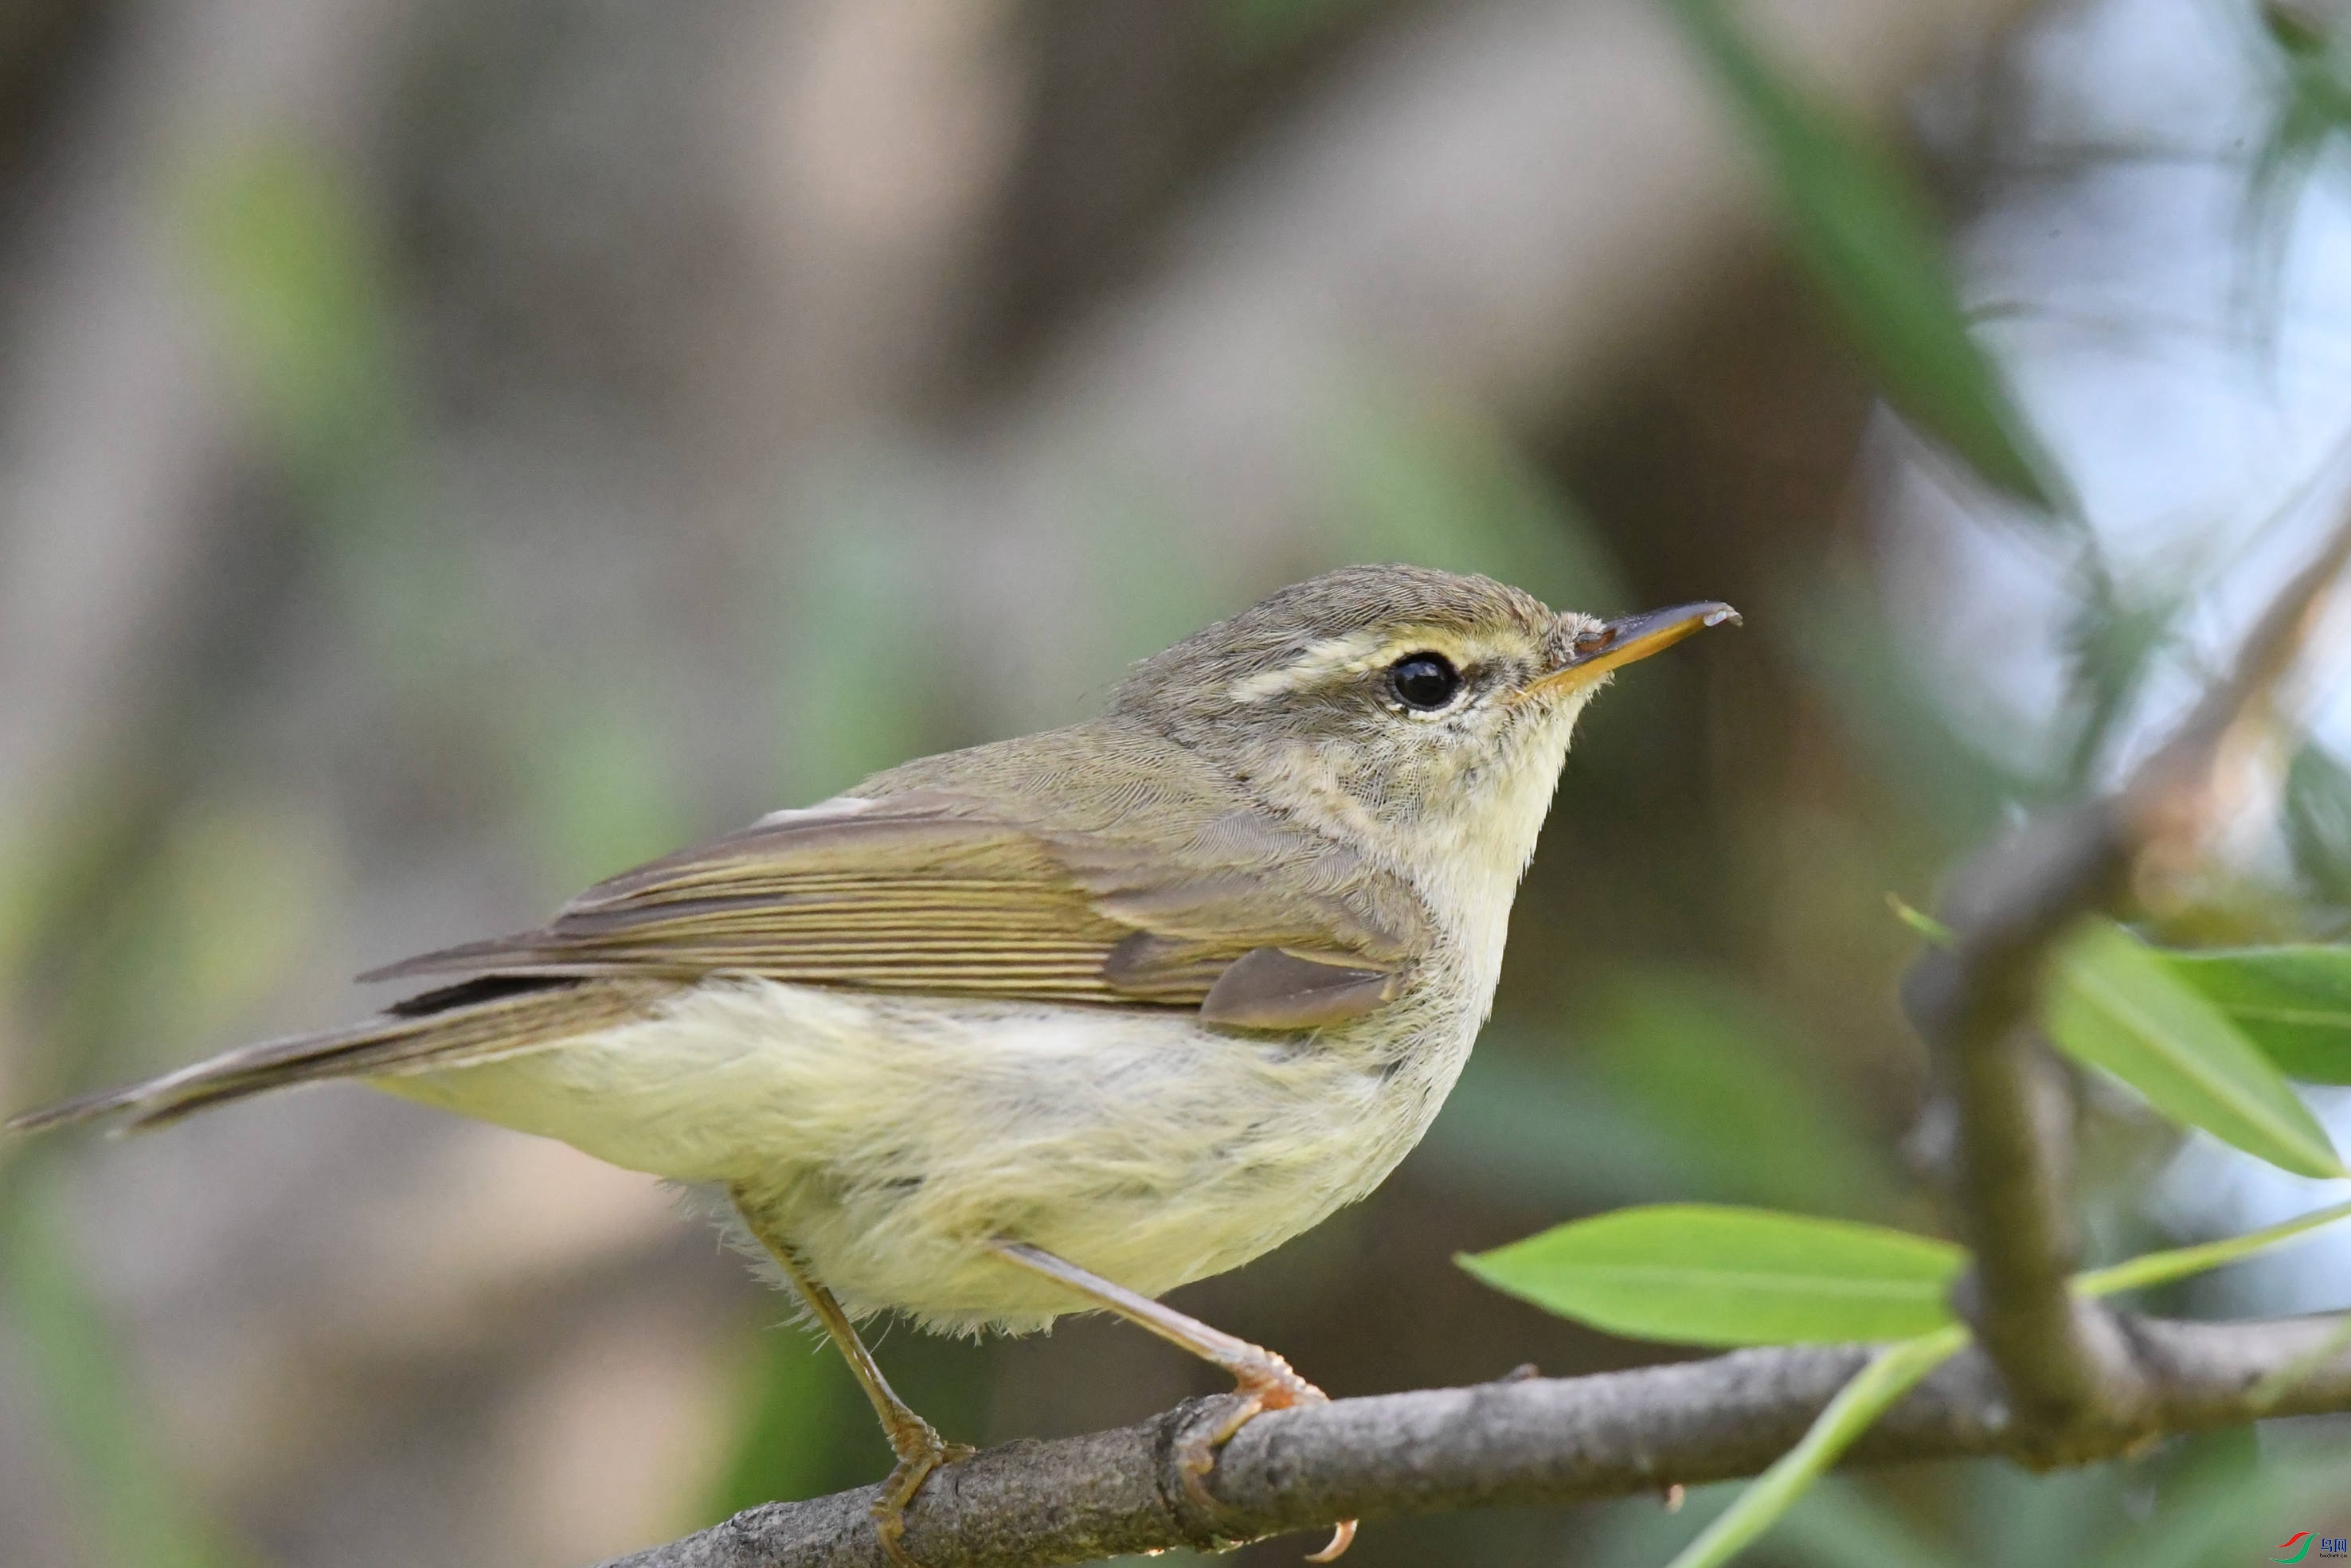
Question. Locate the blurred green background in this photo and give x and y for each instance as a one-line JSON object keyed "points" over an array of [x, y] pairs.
{"points": [[449, 452]]}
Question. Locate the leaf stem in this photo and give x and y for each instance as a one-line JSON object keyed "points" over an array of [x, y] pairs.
{"points": [[2161, 1268], [1890, 1373]]}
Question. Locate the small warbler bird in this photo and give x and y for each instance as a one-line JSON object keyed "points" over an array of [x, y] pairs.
{"points": [[1054, 1024]]}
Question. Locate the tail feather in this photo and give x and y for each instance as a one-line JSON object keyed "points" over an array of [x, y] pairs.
{"points": [[406, 1039]]}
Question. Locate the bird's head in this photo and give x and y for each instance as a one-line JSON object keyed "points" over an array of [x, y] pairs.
{"points": [[1418, 713]]}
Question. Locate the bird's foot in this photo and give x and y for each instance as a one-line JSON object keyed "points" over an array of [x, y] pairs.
{"points": [[1264, 1381], [1261, 1380], [920, 1451]]}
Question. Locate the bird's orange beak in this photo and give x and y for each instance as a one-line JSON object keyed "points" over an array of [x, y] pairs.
{"points": [[1627, 638]]}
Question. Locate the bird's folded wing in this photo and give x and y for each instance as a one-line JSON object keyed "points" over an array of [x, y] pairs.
{"points": [[1250, 923]]}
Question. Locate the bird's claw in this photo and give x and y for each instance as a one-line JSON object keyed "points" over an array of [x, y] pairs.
{"points": [[1341, 1539], [920, 1451], [1269, 1384]]}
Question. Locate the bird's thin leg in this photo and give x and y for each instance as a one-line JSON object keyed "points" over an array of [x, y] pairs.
{"points": [[917, 1442], [1263, 1380]]}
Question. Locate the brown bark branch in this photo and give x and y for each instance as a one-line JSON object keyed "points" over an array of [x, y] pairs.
{"points": [[1540, 1441]]}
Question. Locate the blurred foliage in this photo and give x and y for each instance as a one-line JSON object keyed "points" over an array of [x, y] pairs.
{"points": [[2318, 809], [1444, 487], [1544, 1136], [1676, 1085], [1862, 231], [1867, 236], [1272, 27], [859, 661], [1861, 669], [1893, 1370], [2113, 640], [212, 913], [209, 906], [2206, 1501], [601, 791], [2312, 39], [283, 251], [1741, 1101], [132, 1504], [798, 1394]]}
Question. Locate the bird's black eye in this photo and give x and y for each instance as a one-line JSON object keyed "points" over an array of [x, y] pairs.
{"points": [[1424, 681]]}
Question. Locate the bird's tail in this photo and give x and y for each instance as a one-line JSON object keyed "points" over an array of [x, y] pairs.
{"points": [[461, 1024]]}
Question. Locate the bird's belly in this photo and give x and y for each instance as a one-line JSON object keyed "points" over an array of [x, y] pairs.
{"points": [[890, 1139]]}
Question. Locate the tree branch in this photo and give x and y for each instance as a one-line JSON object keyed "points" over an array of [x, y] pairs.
{"points": [[1972, 1002], [1539, 1440], [2076, 1378]]}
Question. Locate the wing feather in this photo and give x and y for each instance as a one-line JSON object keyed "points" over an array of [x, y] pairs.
{"points": [[1034, 892]]}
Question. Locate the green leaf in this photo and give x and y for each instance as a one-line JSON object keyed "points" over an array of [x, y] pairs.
{"points": [[2317, 817], [1888, 1377], [2113, 1003], [2179, 1262], [1865, 235], [1919, 920], [1710, 1275], [2292, 1002], [2111, 640]]}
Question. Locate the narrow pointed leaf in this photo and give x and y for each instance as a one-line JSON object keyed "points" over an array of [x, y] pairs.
{"points": [[2116, 1004], [1919, 920], [1892, 1373], [2181, 1262], [2316, 816], [2292, 1002], [1864, 234], [1703, 1274]]}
